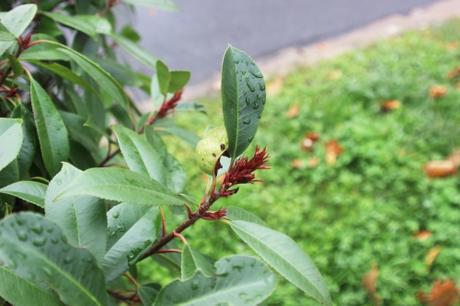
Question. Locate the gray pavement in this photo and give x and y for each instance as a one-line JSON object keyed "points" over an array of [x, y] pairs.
{"points": [[195, 36]]}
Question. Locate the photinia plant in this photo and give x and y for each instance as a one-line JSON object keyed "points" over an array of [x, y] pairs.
{"points": [[88, 188]]}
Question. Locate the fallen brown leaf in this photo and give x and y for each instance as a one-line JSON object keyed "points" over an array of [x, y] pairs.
{"points": [[438, 91], [423, 235], [440, 168], [443, 293], [390, 105], [297, 163], [333, 150], [432, 254], [293, 111], [370, 283], [454, 73]]}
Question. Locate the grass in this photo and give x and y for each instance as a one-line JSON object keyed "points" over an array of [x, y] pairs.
{"points": [[366, 208]]}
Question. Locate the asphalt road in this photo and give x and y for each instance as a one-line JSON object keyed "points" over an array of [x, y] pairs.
{"points": [[195, 36]]}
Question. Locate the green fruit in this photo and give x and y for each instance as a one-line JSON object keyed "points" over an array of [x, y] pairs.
{"points": [[210, 149]]}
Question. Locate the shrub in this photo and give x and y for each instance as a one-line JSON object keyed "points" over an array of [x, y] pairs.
{"points": [[88, 186]]}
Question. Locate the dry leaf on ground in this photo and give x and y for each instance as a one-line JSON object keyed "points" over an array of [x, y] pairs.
{"points": [[370, 283], [293, 111], [440, 168], [390, 105], [309, 140], [432, 254], [438, 91], [333, 150], [443, 293], [423, 235]]}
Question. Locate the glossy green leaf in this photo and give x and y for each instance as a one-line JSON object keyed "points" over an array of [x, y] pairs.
{"points": [[239, 280], [174, 175], [64, 73], [131, 229], [79, 132], [5, 34], [237, 213], [162, 4], [243, 98], [193, 261], [88, 24], [285, 256], [139, 53], [22, 292], [16, 22], [26, 155], [35, 249], [52, 133], [81, 218], [147, 293], [30, 191], [178, 80], [164, 76], [148, 155], [108, 85], [122, 185], [11, 138]]}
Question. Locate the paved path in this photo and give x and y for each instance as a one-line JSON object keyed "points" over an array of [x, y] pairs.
{"points": [[196, 36]]}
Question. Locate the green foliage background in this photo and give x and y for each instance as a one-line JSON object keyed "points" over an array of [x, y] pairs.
{"points": [[367, 208]]}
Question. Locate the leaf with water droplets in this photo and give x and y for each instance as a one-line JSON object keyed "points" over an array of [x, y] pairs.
{"points": [[81, 218], [11, 137], [131, 229], [36, 250], [239, 280], [285, 256], [30, 191], [243, 98]]}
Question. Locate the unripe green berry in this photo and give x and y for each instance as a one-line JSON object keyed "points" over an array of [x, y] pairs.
{"points": [[210, 149]]}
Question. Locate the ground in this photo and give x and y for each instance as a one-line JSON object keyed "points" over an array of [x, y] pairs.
{"points": [[366, 201]]}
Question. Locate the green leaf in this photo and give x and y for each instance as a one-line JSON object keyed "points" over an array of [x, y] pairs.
{"points": [[193, 261], [30, 191], [106, 82], [27, 153], [11, 137], [121, 185], [52, 133], [88, 24], [243, 98], [64, 73], [285, 256], [237, 213], [178, 80], [131, 229], [6, 35], [163, 76], [135, 50], [16, 22], [162, 4], [35, 249], [239, 280], [81, 218], [147, 293], [22, 292], [79, 132]]}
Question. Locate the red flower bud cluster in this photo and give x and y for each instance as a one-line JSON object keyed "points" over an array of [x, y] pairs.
{"points": [[243, 171], [215, 215], [168, 106]]}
